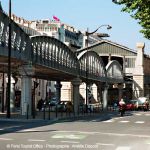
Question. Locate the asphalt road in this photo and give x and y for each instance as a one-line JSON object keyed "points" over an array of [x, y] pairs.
{"points": [[111, 132]]}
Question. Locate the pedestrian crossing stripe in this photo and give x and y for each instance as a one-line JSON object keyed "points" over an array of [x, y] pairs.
{"points": [[140, 122], [69, 136], [124, 121], [138, 114], [147, 141], [123, 148]]}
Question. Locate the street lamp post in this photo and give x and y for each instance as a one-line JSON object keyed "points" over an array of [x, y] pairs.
{"points": [[87, 33], [9, 63]]}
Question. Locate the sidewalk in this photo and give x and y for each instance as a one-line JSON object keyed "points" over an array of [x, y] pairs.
{"points": [[53, 117]]}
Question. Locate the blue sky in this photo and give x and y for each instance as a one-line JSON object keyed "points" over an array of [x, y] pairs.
{"points": [[83, 14]]}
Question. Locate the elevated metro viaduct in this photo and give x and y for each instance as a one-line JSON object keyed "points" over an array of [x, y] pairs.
{"points": [[135, 66], [44, 57]]}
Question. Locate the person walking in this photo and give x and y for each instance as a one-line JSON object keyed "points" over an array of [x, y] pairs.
{"points": [[40, 104]]}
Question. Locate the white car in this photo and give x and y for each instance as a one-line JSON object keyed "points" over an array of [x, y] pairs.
{"points": [[141, 102]]}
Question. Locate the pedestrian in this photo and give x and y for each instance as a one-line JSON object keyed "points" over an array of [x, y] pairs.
{"points": [[146, 104], [40, 104], [69, 107], [121, 102], [115, 106], [122, 106]]}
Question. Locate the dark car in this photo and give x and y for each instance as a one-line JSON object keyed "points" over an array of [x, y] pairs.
{"points": [[53, 102], [61, 106]]}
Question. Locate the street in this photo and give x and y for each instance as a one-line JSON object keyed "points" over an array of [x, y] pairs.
{"points": [[110, 132]]}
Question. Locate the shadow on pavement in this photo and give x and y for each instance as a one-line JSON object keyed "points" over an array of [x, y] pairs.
{"points": [[21, 126]]}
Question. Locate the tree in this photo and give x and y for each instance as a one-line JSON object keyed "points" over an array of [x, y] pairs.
{"points": [[139, 10]]}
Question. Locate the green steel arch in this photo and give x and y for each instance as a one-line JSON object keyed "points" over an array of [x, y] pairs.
{"points": [[91, 66], [114, 72], [48, 51], [20, 41]]}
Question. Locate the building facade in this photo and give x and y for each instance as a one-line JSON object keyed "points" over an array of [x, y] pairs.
{"points": [[135, 66]]}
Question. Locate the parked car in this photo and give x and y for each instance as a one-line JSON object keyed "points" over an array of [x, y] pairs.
{"points": [[90, 108], [53, 101], [143, 103], [65, 106], [131, 105]]}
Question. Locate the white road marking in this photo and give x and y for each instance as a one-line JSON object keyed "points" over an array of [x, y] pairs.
{"points": [[6, 139], [116, 118], [138, 114], [107, 144], [72, 142], [139, 122], [105, 133], [69, 136], [28, 130], [82, 132], [36, 140], [109, 120], [148, 143], [11, 127], [124, 121], [147, 114], [123, 148], [94, 120]]}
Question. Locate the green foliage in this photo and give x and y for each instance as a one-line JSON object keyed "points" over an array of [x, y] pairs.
{"points": [[139, 10]]}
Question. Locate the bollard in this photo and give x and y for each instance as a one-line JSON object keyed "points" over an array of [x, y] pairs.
{"points": [[78, 109], [27, 111], [56, 111], [49, 110], [83, 109], [61, 113], [44, 111], [73, 112], [91, 109]]}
